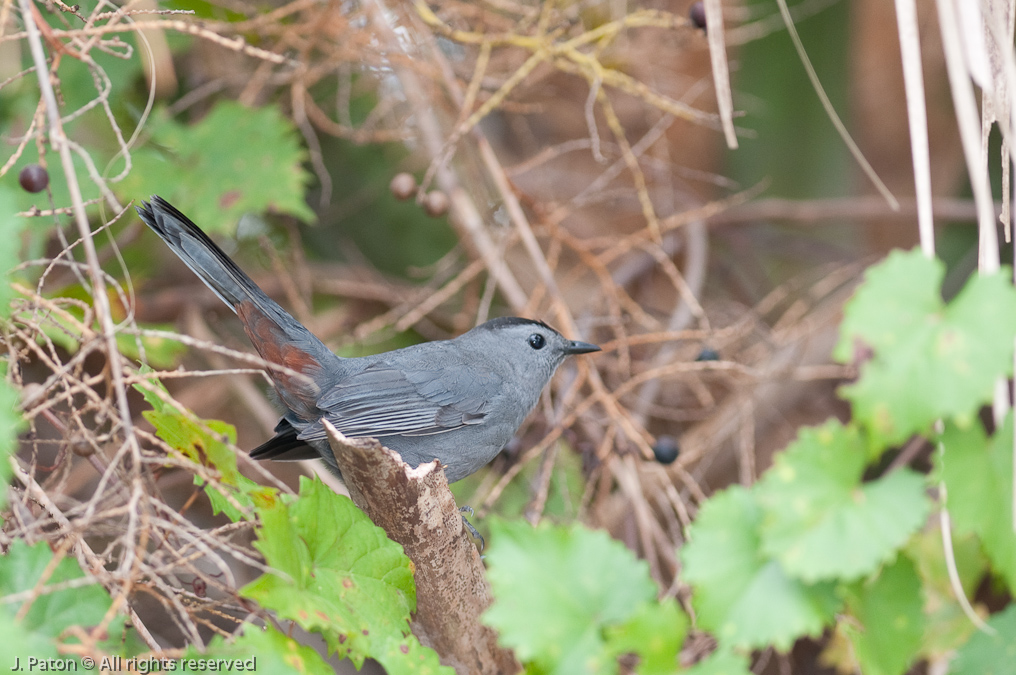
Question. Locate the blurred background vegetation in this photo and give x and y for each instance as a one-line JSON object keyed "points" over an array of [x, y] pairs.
{"points": [[594, 191]]}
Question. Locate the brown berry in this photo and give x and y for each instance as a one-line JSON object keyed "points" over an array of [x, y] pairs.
{"points": [[403, 185], [29, 393], [33, 178], [80, 446], [436, 203]]}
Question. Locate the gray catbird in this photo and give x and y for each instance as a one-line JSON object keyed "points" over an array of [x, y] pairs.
{"points": [[458, 401]]}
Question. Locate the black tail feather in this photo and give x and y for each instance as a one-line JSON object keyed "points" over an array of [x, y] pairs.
{"points": [[284, 445]]}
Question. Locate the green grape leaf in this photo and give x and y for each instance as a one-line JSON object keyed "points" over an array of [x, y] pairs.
{"points": [[977, 472], [159, 352], [205, 442], [555, 591], [236, 160], [655, 633], [742, 596], [335, 573], [821, 522], [988, 654], [947, 626], [257, 651], [927, 551], [930, 360], [721, 662], [50, 613], [890, 621], [11, 422], [21, 644], [10, 254]]}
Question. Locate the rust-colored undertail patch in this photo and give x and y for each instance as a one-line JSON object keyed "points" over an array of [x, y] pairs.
{"points": [[272, 343]]}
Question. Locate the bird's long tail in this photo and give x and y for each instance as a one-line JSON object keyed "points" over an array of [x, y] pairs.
{"points": [[277, 336]]}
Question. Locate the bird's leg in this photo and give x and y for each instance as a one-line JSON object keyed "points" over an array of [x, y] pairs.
{"points": [[469, 525]]}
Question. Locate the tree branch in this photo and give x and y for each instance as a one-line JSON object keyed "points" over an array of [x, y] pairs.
{"points": [[417, 510]]}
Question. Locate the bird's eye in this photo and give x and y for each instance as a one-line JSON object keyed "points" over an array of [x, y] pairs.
{"points": [[537, 341]]}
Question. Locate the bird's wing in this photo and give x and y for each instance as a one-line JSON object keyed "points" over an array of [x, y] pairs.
{"points": [[387, 401]]}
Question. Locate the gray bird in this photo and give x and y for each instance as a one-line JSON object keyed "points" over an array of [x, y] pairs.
{"points": [[458, 401]]}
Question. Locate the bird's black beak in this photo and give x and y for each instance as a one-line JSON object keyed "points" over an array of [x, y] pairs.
{"points": [[576, 347]]}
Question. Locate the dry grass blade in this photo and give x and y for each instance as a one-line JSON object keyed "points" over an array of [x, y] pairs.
{"points": [[910, 46]]}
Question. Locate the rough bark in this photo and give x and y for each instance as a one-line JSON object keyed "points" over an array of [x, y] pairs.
{"points": [[417, 510]]}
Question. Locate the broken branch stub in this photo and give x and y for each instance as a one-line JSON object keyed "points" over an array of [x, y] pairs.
{"points": [[417, 510]]}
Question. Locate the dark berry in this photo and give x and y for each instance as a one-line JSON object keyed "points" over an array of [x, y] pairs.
{"points": [[666, 449], [708, 354], [200, 587], [697, 14], [33, 178]]}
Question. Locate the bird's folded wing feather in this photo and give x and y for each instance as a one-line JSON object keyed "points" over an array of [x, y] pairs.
{"points": [[387, 401]]}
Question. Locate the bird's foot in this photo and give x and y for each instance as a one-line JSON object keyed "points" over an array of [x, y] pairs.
{"points": [[469, 526]]}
